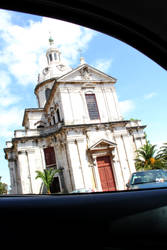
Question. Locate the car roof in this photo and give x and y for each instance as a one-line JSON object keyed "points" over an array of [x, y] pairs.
{"points": [[149, 171]]}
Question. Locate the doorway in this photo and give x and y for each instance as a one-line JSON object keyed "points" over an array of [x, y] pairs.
{"points": [[55, 186], [106, 173]]}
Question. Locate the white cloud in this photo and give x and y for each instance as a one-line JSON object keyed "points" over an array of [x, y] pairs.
{"points": [[103, 64], [158, 144], [126, 106], [4, 80], [6, 97], [5, 132], [22, 56], [5, 19], [23, 46], [150, 95], [10, 119]]}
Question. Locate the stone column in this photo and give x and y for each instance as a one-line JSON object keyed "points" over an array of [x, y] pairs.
{"points": [[69, 169], [96, 174], [62, 180], [24, 172], [12, 176]]}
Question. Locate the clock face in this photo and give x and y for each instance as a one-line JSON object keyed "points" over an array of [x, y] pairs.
{"points": [[45, 71], [61, 67]]}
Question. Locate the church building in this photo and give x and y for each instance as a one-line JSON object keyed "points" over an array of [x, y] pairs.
{"points": [[77, 128]]}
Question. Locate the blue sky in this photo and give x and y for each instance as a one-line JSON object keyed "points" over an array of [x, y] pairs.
{"points": [[141, 83]]}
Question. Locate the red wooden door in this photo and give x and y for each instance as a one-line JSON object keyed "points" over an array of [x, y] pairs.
{"points": [[106, 173]]}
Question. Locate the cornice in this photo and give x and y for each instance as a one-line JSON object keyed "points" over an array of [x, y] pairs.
{"points": [[43, 83]]}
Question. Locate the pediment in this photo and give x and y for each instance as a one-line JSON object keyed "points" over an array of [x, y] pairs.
{"points": [[86, 73], [103, 144]]}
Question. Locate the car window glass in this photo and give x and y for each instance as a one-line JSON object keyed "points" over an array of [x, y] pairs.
{"points": [[80, 111]]}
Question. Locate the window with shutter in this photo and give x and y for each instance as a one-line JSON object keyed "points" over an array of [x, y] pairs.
{"points": [[49, 156], [92, 106]]}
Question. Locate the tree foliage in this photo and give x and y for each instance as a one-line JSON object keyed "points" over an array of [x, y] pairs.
{"points": [[149, 158], [162, 153], [3, 187], [47, 177]]}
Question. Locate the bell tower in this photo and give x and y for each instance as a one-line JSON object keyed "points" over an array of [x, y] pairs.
{"points": [[56, 67]]}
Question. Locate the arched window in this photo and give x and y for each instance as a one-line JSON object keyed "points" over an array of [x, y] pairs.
{"points": [[47, 93], [50, 57]]}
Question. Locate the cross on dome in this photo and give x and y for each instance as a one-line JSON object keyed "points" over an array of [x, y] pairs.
{"points": [[82, 59], [51, 41], [53, 53]]}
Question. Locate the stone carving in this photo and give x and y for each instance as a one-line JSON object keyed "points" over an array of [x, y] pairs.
{"points": [[85, 74], [61, 67]]}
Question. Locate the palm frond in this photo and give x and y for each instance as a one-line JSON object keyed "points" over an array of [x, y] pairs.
{"points": [[47, 176], [148, 157]]}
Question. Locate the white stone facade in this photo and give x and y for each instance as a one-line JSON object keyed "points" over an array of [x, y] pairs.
{"points": [[84, 148]]}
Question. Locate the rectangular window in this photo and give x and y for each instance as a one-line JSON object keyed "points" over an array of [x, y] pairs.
{"points": [[50, 57], [55, 56], [49, 156], [54, 121], [58, 115], [92, 106]]}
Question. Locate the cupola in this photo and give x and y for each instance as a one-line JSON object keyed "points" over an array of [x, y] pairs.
{"points": [[52, 54], [56, 66]]}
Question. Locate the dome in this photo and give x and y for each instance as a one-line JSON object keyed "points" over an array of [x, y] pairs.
{"points": [[56, 67]]}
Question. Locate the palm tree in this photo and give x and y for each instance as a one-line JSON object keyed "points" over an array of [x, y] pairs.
{"points": [[47, 177], [162, 153], [147, 158]]}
